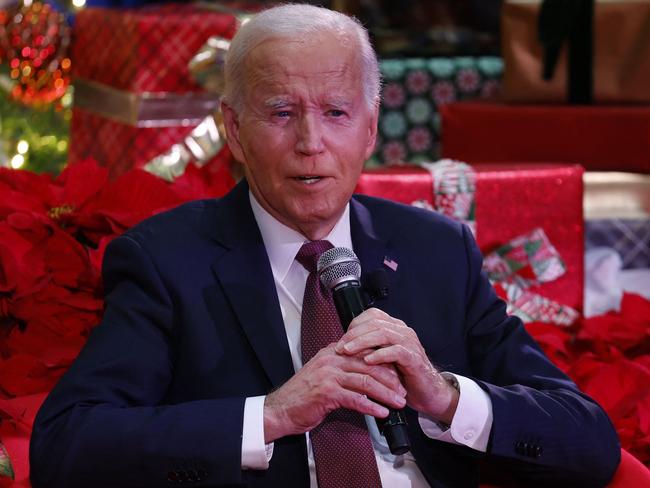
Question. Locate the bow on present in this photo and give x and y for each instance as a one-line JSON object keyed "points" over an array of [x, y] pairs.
{"points": [[523, 262], [526, 261], [207, 139]]}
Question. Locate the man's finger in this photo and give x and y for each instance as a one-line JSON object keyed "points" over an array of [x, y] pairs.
{"points": [[367, 385], [372, 338]]}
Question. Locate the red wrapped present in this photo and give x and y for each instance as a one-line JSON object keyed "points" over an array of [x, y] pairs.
{"points": [[604, 138], [512, 200], [135, 95]]}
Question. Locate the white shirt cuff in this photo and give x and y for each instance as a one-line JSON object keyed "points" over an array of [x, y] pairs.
{"points": [[472, 421], [254, 453]]}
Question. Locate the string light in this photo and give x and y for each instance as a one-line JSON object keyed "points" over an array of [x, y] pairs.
{"points": [[17, 161], [22, 147]]}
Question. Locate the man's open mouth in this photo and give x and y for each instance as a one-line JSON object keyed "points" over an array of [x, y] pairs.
{"points": [[309, 179]]}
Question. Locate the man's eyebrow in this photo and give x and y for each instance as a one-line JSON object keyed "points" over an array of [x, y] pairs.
{"points": [[338, 102], [277, 102]]}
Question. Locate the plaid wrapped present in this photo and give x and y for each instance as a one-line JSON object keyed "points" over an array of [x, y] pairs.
{"points": [[135, 97], [414, 89], [630, 238]]}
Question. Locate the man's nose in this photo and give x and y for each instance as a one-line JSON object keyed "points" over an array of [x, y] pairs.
{"points": [[309, 135]]}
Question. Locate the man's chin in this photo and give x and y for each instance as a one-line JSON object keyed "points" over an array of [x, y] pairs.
{"points": [[316, 224]]}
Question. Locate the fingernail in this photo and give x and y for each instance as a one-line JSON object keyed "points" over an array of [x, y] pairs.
{"points": [[400, 400], [348, 347], [339, 346]]}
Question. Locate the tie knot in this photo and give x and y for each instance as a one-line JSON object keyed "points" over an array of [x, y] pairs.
{"points": [[310, 252]]}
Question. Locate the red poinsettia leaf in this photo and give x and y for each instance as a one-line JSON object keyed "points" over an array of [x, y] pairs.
{"points": [[11, 411], [39, 187], [40, 341], [81, 182], [133, 197], [643, 408], [96, 256], [14, 201], [17, 243], [67, 260], [614, 383], [210, 181], [63, 312], [22, 374], [627, 329]]}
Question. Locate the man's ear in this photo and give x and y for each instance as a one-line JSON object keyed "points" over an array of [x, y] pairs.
{"points": [[372, 132], [231, 123]]}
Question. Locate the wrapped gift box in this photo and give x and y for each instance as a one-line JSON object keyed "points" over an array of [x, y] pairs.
{"points": [[135, 97], [415, 88], [604, 138], [630, 238], [511, 200], [617, 215]]}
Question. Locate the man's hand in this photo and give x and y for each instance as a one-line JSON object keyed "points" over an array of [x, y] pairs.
{"points": [[327, 382], [382, 339]]}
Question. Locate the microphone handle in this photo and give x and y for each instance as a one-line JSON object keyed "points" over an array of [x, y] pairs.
{"points": [[348, 302]]}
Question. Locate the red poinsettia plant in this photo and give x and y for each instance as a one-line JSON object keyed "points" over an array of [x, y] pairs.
{"points": [[53, 232]]}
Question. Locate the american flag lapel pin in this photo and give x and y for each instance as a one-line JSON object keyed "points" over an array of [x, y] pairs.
{"points": [[390, 263]]}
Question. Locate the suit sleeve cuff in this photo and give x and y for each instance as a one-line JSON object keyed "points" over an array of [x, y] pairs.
{"points": [[254, 453], [472, 421]]}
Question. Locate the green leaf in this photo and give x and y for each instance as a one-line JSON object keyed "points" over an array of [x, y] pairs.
{"points": [[6, 469]]}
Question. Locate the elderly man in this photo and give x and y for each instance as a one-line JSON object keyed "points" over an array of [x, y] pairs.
{"points": [[219, 360]]}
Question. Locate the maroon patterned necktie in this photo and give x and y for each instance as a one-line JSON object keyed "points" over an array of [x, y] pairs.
{"points": [[342, 447]]}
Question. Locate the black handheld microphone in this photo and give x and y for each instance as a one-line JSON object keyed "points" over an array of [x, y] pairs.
{"points": [[340, 271]]}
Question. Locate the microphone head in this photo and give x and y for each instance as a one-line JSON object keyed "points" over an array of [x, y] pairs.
{"points": [[337, 265]]}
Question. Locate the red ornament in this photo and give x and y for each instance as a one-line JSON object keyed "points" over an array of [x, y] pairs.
{"points": [[34, 42]]}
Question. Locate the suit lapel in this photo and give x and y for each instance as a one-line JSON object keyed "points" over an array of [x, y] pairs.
{"points": [[244, 272], [370, 247]]}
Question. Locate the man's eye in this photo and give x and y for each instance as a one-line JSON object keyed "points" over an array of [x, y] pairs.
{"points": [[336, 113], [282, 114]]}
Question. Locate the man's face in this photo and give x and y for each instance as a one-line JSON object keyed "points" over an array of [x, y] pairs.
{"points": [[305, 130]]}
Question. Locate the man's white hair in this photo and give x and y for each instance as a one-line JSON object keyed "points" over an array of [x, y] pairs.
{"points": [[297, 21]]}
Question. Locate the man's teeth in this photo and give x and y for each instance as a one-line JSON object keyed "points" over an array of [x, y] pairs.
{"points": [[309, 179]]}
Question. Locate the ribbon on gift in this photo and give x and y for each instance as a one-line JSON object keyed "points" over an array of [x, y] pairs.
{"points": [[525, 261], [163, 109], [454, 188]]}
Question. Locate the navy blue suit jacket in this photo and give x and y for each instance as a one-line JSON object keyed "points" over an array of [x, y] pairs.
{"points": [[192, 327]]}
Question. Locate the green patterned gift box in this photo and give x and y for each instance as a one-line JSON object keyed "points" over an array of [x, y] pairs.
{"points": [[409, 122]]}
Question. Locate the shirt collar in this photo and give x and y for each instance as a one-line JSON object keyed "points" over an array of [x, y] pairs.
{"points": [[283, 243]]}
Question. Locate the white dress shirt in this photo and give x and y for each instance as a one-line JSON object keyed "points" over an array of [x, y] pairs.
{"points": [[473, 418]]}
